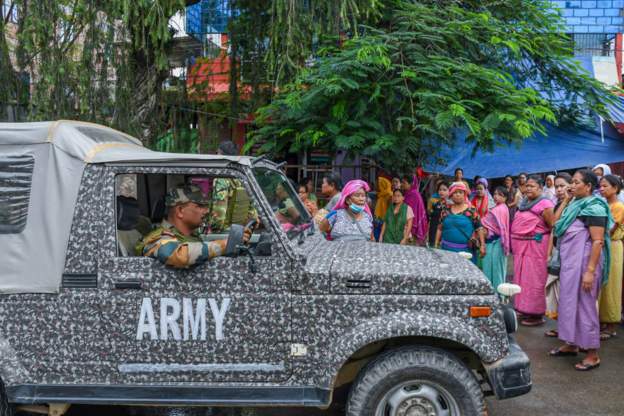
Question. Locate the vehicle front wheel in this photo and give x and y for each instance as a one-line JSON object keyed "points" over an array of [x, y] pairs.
{"points": [[415, 381], [6, 409]]}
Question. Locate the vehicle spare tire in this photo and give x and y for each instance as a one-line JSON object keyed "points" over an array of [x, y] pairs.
{"points": [[416, 381]]}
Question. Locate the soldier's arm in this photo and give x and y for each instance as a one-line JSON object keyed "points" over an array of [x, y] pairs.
{"points": [[169, 251]]}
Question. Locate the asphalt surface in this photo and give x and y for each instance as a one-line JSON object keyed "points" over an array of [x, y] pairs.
{"points": [[558, 389]]}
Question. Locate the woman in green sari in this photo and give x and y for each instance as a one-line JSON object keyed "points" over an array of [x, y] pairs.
{"points": [[398, 221]]}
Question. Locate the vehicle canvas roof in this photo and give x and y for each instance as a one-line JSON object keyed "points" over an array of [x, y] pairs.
{"points": [[60, 151]]}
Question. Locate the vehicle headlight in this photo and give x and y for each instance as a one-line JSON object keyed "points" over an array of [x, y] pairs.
{"points": [[511, 320]]}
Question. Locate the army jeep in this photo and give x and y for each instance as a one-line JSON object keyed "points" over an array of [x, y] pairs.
{"points": [[285, 322]]}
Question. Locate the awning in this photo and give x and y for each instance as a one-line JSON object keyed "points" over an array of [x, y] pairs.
{"points": [[560, 149]]}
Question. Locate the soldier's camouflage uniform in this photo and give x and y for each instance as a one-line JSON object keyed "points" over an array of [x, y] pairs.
{"points": [[230, 205], [171, 247]]}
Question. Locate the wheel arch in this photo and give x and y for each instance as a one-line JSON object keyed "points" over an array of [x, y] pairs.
{"points": [[403, 328]]}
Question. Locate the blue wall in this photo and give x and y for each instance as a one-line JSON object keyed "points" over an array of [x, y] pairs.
{"points": [[593, 16]]}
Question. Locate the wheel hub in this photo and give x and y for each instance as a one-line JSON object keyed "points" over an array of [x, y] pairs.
{"points": [[416, 406]]}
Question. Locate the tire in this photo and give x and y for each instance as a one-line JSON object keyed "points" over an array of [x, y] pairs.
{"points": [[416, 380], [6, 409]]}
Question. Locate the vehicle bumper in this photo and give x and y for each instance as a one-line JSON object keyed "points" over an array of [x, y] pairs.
{"points": [[511, 375]]}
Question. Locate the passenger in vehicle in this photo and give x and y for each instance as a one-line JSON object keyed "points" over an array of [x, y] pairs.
{"points": [[177, 242], [351, 218], [286, 212]]}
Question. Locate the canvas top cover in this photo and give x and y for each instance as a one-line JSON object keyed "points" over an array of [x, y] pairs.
{"points": [[41, 165]]}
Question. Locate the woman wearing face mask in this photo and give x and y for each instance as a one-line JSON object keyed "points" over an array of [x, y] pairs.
{"points": [[582, 229], [610, 305], [398, 221], [459, 223], [351, 218], [530, 236], [497, 244]]}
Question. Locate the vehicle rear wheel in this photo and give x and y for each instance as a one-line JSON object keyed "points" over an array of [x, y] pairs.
{"points": [[416, 381], [6, 409]]}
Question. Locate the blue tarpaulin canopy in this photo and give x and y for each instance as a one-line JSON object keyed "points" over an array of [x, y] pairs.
{"points": [[561, 149]]}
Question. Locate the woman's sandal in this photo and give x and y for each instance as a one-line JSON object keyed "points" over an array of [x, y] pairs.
{"points": [[581, 366], [553, 333], [558, 352], [532, 322], [605, 335]]}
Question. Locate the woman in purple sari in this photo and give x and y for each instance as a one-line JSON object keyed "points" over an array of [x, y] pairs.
{"points": [[414, 200], [530, 234], [584, 244]]}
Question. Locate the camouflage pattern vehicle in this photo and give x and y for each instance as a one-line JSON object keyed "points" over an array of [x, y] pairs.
{"points": [[284, 322]]}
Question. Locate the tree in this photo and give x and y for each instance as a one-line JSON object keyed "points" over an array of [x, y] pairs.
{"points": [[101, 61], [427, 71]]}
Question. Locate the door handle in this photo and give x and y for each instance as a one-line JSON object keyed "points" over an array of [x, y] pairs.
{"points": [[129, 285]]}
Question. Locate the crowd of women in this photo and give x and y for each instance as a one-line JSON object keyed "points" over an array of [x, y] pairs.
{"points": [[563, 235]]}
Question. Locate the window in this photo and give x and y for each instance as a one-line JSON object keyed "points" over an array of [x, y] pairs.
{"points": [[141, 206], [15, 182]]}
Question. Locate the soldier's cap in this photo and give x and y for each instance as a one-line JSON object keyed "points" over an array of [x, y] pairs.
{"points": [[184, 194]]}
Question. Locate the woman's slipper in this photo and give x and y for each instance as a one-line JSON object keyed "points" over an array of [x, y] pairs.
{"points": [[586, 366], [558, 352], [605, 335], [553, 333], [532, 322]]}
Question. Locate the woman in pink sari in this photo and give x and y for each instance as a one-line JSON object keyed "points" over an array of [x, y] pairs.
{"points": [[530, 234], [414, 200]]}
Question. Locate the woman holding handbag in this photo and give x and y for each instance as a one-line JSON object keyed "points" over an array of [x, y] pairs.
{"points": [[460, 228]]}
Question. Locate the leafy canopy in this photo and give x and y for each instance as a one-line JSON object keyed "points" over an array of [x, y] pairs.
{"points": [[427, 70]]}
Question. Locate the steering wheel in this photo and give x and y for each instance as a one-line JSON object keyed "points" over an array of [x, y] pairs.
{"points": [[235, 238]]}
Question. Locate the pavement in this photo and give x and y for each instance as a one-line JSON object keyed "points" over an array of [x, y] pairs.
{"points": [[558, 389]]}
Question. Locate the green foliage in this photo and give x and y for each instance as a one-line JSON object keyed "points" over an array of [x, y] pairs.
{"points": [[428, 70], [101, 61]]}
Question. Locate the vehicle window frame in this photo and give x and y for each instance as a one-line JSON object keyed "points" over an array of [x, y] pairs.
{"points": [[110, 249], [294, 195]]}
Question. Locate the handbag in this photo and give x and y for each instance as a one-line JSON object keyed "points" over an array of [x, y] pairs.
{"points": [[554, 262]]}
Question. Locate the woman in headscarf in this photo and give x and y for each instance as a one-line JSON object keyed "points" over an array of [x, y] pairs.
{"points": [[384, 197], [351, 218], [549, 188], [610, 305], [398, 221], [459, 223], [410, 185], [482, 198], [497, 243], [434, 208], [583, 232], [600, 170], [530, 235]]}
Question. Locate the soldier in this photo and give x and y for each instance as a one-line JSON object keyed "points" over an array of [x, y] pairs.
{"points": [[177, 242], [230, 202]]}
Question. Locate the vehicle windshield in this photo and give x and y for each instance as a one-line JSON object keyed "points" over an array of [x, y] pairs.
{"points": [[285, 202]]}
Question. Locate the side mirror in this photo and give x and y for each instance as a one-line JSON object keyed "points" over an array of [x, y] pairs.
{"points": [[508, 289], [234, 241]]}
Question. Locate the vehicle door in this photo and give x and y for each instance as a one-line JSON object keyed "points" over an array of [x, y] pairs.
{"points": [[217, 322]]}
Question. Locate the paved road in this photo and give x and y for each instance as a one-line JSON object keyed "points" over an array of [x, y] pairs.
{"points": [[558, 389]]}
